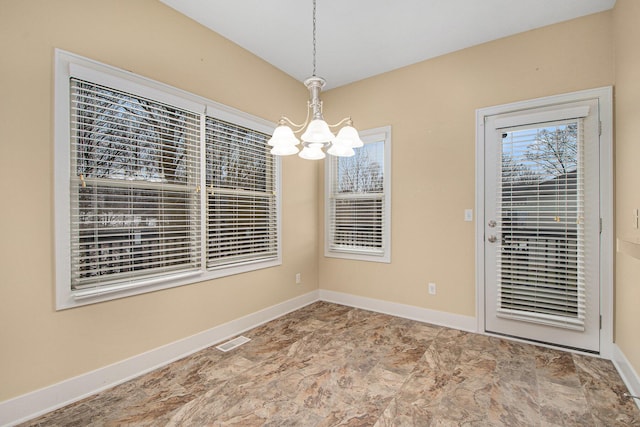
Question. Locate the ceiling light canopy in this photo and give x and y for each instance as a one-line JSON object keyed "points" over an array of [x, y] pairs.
{"points": [[317, 135]]}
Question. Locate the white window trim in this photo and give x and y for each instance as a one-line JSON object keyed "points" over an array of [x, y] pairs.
{"points": [[367, 136], [67, 65]]}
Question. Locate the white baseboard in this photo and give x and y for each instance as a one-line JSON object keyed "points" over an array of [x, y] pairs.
{"points": [[450, 320], [626, 371], [38, 402]]}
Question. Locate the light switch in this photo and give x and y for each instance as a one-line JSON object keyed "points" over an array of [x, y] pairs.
{"points": [[468, 214]]}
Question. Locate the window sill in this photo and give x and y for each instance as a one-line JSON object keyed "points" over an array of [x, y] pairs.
{"points": [[359, 256]]}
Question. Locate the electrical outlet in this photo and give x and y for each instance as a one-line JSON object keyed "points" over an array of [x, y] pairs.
{"points": [[432, 288], [298, 278]]}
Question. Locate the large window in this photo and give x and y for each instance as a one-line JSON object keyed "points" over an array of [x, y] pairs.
{"points": [[155, 187], [358, 200]]}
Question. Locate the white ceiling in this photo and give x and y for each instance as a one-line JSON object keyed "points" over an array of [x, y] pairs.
{"points": [[361, 38]]}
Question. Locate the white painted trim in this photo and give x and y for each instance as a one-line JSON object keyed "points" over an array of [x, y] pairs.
{"points": [[450, 320], [38, 402], [480, 220], [607, 238], [627, 373], [605, 99]]}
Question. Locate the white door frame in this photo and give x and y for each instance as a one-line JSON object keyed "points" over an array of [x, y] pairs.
{"points": [[605, 100]]}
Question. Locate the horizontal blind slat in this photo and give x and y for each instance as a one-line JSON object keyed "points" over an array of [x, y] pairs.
{"points": [[541, 211], [135, 212], [241, 200]]}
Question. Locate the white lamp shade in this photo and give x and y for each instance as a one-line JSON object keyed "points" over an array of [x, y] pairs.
{"points": [[341, 150], [349, 135], [283, 135], [284, 150], [318, 132], [312, 152]]}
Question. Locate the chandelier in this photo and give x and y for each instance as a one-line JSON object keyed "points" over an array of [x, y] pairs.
{"points": [[317, 134]]}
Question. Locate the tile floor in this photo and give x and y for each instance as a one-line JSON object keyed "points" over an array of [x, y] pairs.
{"points": [[329, 365]]}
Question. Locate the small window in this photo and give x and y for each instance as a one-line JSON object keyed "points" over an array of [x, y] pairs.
{"points": [[155, 187], [358, 200]]}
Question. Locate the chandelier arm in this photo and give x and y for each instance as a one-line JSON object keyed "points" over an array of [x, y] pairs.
{"points": [[298, 128], [284, 120], [341, 122]]}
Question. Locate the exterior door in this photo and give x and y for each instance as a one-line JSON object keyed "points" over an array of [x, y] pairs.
{"points": [[542, 225]]}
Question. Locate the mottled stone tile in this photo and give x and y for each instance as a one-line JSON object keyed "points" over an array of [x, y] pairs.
{"points": [[382, 384], [264, 346], [514, 403], [418, 400], [563, 405], [556, 366], [424, 333], [447, 347], [605, 392], [467, 396], [224, 369], [363, 359], [401, 412], [332, 365], [329, 312], [594, 369], [350, 417], [402, 358]]}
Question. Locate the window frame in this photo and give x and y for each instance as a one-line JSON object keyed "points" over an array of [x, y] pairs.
{"points": [[381, 134], [271, 198], [67, 65]]}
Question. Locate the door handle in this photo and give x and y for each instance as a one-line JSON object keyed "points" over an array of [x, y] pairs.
{"points": [[492, 239]]}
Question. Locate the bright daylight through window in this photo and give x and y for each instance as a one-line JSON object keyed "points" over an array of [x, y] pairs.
{"points": [[155, 187], [358, 200]]}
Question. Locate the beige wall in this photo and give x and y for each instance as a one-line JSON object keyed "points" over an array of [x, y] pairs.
{"points": [[626, 17], [431, 108], [39, 346]]}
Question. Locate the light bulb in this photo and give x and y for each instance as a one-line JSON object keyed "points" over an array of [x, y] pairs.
{"points": [[349, 134], [312, 152], [317, 132], [283, 135], [284, 150], [341, 149]]}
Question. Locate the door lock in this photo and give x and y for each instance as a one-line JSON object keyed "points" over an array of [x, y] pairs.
{"points": [[492, 223]]}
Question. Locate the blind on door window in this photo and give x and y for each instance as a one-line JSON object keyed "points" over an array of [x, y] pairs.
{"points": [[134, 205], [541, 227], [241, 201], [356, 203]]}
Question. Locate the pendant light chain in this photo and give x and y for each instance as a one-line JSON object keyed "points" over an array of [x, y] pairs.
{"points": [[314, 38], [317, 134]]}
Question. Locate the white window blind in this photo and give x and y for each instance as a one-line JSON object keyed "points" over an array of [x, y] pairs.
{"points": [[358, 211], [152, 191], [541, 209], [241, 196], [134, 176]]}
